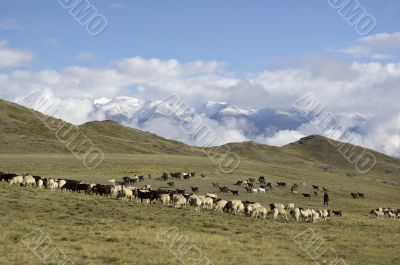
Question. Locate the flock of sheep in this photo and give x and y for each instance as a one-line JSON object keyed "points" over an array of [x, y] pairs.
{"points": [[181, 199]]}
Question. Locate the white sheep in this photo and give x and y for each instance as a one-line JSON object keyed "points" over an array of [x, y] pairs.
{"points": [[61, 183], [165, 199], [179, 201], [220, 205], [279, 211], [251, 206], [211, 195], [16, 180], [39, 183], [259, 211], [323, 214], [315, 216], [208, 203], [195, 201], [53, 185], [290, 207], [296, 214], [28, 181], [306, 214], [125, 193], [238, 209]]}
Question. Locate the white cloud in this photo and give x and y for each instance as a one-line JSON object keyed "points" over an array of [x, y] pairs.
{"points": [[284, 137], [370, 89], [378, 46], [8, 24], [11, 57]]}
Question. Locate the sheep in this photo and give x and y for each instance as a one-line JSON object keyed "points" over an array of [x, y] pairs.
{"points": [[315, 216], [279, 211], [211, 195], [49, 183], [220, 205], [259, 211], [254, 190], [290, 207], [28, 181], [165, 199], [61, 183], [238, 209], [337, 213], [276, 205], [125, 193], [296, 214], [53, 185], [232, 206], [39, 183], [323, 214], [261, 190], [112, 181], [250, 207], [378, 213], [306, 214], [179, 201], [208, 203], [195, 201], [17, 180]]}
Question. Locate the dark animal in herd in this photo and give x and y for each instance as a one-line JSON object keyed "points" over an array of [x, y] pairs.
{"points": [[195, 190], [180, 191], [315, 187], [239, 183], [235, 193], [270, 186], [224, 189], [171, 184], [357, 195], [337, 213], [306, 195], [281, 184]]}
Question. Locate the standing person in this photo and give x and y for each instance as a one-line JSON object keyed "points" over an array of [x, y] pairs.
{"points": [[326, 199]]}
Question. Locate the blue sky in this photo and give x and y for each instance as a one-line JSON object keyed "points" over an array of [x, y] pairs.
{"points": [[251, 54], [245, 35]]}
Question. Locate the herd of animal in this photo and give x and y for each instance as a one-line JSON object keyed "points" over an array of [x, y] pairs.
{"points": [[179, 198]]}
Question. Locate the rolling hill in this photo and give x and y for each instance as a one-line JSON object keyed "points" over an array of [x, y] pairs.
{"points": [[22, 131]]}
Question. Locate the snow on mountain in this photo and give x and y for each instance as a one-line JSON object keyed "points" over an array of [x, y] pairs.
{"points": [[227, 121], [119, 109]]}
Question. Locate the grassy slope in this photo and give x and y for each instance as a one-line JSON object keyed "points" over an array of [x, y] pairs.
{"points": [[105, 231], [94, 230], [22, 131]]}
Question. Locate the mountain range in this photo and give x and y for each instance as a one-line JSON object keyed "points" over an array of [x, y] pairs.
{"points": [[232, 124], [24, 131]]}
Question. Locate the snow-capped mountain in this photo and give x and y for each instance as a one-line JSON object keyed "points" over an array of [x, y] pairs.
{"points": [[228, 122]]}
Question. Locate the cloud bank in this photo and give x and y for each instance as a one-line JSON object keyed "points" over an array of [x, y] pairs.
{"points": [[366, 90]]}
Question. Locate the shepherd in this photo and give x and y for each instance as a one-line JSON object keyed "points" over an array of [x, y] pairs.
{"points": [[326, 199]]}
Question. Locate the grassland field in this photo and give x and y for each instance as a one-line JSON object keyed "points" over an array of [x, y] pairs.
{"points": [[96, 230]]}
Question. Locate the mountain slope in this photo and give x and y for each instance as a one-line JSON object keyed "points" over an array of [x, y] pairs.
{"points": [[23, 131], [330, 152]]}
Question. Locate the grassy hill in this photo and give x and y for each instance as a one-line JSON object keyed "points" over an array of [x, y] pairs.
{"points": [[22, 131], [95, 230]]}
